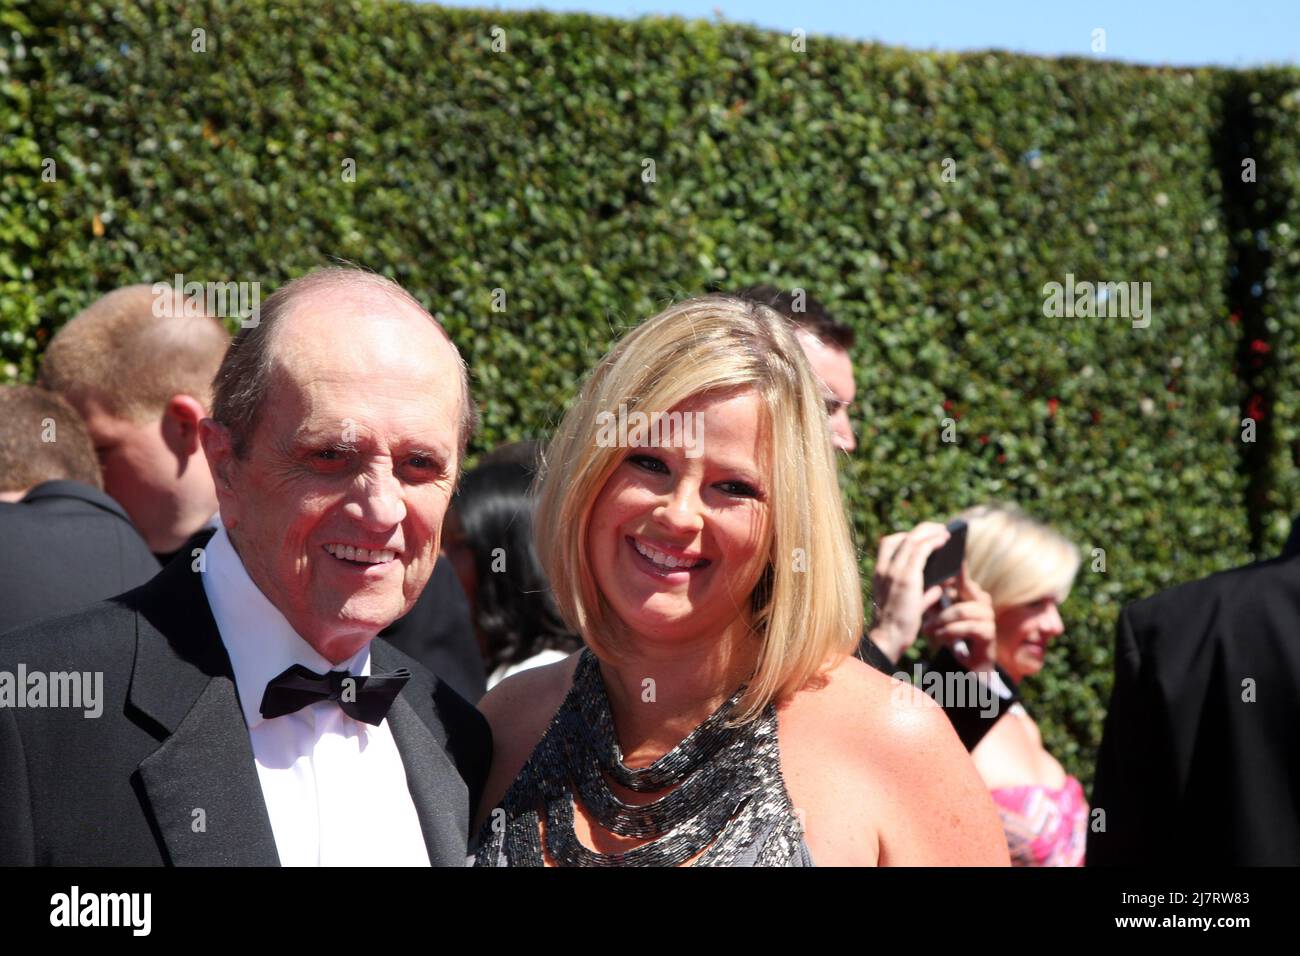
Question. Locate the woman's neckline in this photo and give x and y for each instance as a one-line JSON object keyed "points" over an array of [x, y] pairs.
{"points": [[709, 725]]}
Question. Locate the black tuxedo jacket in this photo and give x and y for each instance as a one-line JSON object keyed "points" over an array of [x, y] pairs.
{"points": [[63, 546], [166, 774], [1191, 770]]}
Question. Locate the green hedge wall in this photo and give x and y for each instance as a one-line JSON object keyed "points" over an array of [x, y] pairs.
{"points": [[23, 212], [1274, 233], [524, 170]]}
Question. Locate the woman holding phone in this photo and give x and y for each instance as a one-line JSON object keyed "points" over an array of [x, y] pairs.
{"points": [[1001, 615], [1027, 568], [715, 715]]}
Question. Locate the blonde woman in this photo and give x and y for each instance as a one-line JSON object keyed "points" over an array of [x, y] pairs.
{"points": [[714, 716], [1027, 570]]}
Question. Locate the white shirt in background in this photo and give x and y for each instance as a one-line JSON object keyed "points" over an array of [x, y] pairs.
{"points": [[537, 660]]}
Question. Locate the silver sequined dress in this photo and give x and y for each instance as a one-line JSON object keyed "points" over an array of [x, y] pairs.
{"points": [[729, 804]]}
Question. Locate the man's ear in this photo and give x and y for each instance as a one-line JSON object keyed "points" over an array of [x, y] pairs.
{"points": [[181, 418], [220, 453]]}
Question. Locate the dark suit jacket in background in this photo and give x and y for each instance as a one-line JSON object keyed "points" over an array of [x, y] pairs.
{"points": [[1189, 773], [436, 631], [63, 546], [123, 789]]}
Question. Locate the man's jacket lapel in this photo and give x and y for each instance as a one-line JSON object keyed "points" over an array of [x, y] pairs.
{"points": [[440, 795], [201, 783]]}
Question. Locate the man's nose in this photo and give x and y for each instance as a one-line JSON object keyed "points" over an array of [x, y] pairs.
{"points": [[378, 504], [680, 513], [842, 432]]}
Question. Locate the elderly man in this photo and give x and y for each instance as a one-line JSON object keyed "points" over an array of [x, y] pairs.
{"points": [[247, 716]]}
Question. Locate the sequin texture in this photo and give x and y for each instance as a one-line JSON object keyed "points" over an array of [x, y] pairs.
{"points": [[730, 805]]}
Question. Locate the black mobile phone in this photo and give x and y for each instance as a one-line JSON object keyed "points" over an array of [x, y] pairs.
{"points": [[946, 562]]}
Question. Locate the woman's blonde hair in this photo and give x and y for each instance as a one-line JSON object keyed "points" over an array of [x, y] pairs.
{"points": [[807, 606], [1015, 558]]}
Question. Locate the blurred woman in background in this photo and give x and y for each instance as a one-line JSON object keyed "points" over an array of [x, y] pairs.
{"points": [[995, 620], [1027, 569], [488, 538]]}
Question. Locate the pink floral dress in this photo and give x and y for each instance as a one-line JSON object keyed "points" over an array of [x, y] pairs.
{"points": [[1044, 826]]}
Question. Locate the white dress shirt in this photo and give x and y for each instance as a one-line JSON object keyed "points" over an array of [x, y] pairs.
{"points": [[335, 787]]}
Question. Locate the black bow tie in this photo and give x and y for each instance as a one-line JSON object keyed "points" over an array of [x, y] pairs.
{"points": [[362, 698]]}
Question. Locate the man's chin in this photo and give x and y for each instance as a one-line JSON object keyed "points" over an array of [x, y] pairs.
{"points": [[369, 617], [339, 634]]}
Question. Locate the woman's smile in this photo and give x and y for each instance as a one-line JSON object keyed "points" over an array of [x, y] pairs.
{"points": [[670, 564]]}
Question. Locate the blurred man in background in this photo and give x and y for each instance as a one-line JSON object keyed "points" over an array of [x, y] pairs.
{"points": [[826, 344], [1199, 761], [139, 370], [65, 543]]}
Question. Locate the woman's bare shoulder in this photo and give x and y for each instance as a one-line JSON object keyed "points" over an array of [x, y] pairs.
{"points": [[886, 750], [519, 709], [852, 712]]}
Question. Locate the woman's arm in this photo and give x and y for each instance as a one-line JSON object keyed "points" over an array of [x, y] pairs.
{"points": [[879, 777], [938, 811]]}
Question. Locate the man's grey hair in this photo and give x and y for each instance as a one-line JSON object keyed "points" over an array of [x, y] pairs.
{"points": [[242, 382]]}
